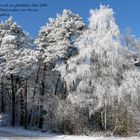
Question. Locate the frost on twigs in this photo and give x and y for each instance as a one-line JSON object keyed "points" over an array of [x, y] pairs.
{"points": [[96, 76]]}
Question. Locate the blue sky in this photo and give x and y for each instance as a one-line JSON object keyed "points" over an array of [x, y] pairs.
{"points": [[127, 13]]}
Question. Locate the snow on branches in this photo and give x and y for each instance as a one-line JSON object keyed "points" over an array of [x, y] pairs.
{"points": [[58, 35], [16, 53]]}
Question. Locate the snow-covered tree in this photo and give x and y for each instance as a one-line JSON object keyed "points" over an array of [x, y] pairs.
{"points": [[94, 76], [18, 61], [83, 78], [17, 56], [98, 47], [57, 37], [56, 42]]}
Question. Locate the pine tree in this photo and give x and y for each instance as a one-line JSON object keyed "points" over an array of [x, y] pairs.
{"points": [[57, 37], [18, 58], [56, 41]]}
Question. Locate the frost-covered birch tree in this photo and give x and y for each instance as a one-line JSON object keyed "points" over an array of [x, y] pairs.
{"points": [[98, 49], [95, 75]]}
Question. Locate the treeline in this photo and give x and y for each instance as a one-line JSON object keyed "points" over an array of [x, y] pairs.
{"points": [[72, 79]]}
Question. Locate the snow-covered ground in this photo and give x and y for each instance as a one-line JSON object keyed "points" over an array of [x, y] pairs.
{"points": [[20, 134]]}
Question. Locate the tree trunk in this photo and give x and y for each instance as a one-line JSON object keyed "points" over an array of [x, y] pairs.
{"points": [[40, 123], [34, 92], [13, 100], [26, 111], [22, 109], [40, 119], [2, 98], [23, 102], [105, 116], [102, 119], [64, 96], [55, 92], [115, 118]]}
